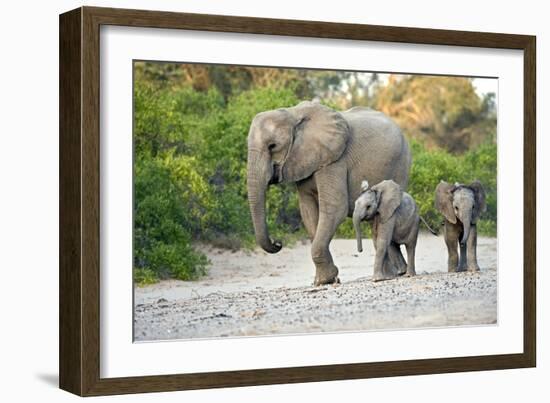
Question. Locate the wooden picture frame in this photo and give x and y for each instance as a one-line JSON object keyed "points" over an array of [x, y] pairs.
{"points": [[79, 281]]}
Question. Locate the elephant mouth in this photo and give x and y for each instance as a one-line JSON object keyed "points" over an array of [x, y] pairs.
{"points": [[276, 177], [369, 217]]}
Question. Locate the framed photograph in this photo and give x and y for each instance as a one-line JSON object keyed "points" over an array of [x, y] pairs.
{"points": [[248, 201]]}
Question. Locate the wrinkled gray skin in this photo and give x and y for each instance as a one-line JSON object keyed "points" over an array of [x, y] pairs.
{"points": [[461, 205], [395, 220], [327, 154]]}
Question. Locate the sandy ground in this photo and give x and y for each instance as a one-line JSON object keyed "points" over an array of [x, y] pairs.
{"points": [[252, 293]]}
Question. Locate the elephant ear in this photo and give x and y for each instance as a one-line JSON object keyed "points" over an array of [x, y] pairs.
{"points": [[479, 196], [389, 196], [320, 138], [444, 200]]}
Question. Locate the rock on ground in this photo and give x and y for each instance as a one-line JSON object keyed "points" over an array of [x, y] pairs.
{"points": [[427, 300]]}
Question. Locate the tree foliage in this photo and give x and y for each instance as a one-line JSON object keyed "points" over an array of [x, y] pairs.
{"points": [[440, 112], [190, 177]]}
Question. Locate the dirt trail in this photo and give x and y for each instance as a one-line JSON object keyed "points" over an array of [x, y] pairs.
{"points": [[252, 293]]}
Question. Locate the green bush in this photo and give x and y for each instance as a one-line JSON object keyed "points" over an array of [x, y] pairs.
{"points": [[431, 166], [171, 203], [190, 177], [168, 118]]}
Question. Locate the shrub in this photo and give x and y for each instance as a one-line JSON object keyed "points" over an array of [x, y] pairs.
{"points": [[171, 203], [431, 166], [190, 177], [144, 276], [167, 118]]}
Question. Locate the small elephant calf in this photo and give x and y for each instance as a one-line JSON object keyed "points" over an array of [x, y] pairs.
{"points": [[395, 219], [461, 205]]}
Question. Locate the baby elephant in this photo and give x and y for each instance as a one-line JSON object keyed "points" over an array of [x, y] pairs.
{"points": [[461, 205], [394, 218]]}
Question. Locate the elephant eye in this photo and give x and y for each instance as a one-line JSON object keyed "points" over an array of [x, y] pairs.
{"points": [[271, 146]]}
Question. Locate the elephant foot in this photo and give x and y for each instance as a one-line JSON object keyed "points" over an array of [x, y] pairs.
{"points": [[326, 275], [389, 270], [410, 273], [473, 268], [382, 277], [406, 273], [319, 282], [396, 260], [401, 266], [452, 269]]}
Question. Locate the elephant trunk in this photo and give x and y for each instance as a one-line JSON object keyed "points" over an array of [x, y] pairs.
{"points": [[357, 226], [466, 223], [259, 172]]}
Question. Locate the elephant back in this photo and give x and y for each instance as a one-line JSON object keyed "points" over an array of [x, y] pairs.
{"points": [[377, 149]]}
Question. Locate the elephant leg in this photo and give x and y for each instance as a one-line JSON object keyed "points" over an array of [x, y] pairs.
{"points": [[451, 240], [309, 210], [411, 250], [389, 270], [326, 271], [374, 232], [396, 259], [471, 245], [394, 263], [462, 259], [333, 208], [383, 267]]}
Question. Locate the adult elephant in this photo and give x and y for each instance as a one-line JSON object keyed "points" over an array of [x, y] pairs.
{"points": [[327, 154]]}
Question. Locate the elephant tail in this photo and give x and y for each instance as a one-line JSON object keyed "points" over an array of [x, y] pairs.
{"points": [[427, 226]]}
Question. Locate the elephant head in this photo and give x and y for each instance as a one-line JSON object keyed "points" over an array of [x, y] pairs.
{"points": [[461, 202], [288, 145], [382, 199]]}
